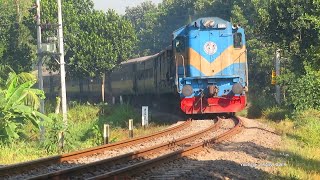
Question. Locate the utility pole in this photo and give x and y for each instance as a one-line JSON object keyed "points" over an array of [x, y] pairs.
{"points": [[40, 79], [62, 66], [277, 64]]}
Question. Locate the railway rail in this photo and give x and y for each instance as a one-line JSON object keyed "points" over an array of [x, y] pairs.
{"points": [[118, 162], [122, 166], [125, 165], [20, 168], [126, 172]]}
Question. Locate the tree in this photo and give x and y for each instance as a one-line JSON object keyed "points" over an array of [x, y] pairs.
{"points": [[95, 42], [144, 19], [16, 48], [109, 40]]}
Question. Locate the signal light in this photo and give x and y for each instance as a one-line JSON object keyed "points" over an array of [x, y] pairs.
{"points": [[273, 77]]}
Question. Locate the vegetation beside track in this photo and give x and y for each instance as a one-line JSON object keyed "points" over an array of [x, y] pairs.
{"points": [[85, 125], [300, 134]]}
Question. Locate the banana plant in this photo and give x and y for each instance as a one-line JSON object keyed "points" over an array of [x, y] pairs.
{"points": [[18, 105]]}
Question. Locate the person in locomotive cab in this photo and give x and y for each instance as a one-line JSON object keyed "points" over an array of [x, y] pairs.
{"points": [[237, 40]]}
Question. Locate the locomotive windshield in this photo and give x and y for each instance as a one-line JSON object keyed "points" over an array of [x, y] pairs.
{"points": [[180, 44], [237, 40]]}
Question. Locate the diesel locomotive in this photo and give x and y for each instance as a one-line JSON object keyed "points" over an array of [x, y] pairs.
{"points": [[206, 66]]}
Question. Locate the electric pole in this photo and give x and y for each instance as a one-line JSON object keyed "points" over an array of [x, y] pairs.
{"points": [[62, 66], [277, 64], [40, 79]]}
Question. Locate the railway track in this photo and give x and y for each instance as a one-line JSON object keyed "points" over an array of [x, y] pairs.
{"points": [[128, 171], [9, 171], [125, 165]]}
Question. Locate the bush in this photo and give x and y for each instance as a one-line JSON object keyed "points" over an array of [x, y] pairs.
{"points": [[275, 113], [304, 93], [118, 115], [258, 105]]}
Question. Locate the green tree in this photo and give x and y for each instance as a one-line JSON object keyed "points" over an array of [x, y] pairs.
{"points": [[95, 42], [16, 48], [144, 19], [303, 92]]}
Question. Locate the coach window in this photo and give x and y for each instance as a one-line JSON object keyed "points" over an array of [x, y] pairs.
{"points": [[237, 40], [180, 44]]}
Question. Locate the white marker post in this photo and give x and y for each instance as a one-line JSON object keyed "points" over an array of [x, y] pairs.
{"points": [[121, 100], [144, 116], [131, 128], [113, 100], [106, 134]]}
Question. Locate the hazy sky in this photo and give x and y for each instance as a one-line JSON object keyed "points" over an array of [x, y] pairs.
{"points": [[118, 5]]}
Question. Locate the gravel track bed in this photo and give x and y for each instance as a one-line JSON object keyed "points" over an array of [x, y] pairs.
{"points": [[176, 168], [225, 126], [250, 154], [196, 125]]}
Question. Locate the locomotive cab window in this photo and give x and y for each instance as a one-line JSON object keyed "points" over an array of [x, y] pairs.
{"points": [[237, 40], [179, 44]]}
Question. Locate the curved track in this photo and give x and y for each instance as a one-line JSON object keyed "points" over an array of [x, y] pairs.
{"points": [[131, 163], [125, 173], [8, 171]]}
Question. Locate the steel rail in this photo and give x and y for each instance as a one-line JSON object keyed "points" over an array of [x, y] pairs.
{"points": [[125, 172], [67, 173], [19, 168]]}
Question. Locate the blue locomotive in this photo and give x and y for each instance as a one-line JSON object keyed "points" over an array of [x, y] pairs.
{"points": [[212, 71], [206, 65]]}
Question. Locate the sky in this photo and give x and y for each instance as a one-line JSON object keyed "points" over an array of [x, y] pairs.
{"points": [[118, 5]]}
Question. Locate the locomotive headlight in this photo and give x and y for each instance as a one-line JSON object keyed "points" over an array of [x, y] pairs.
{"points": [[237, 88], [187, 90], [222, 26]]}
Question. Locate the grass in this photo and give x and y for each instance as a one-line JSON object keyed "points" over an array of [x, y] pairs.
{"points": [[301, 142], [85, 125]]}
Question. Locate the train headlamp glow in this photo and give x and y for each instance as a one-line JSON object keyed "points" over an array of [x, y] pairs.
{"points": [[237, 88], [187, 90], [222, 26]]}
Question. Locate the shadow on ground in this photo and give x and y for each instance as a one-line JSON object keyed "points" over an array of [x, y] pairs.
{"points": [[224, 169], [261, 152]]}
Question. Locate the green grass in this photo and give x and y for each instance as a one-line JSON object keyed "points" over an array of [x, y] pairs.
{"points": [[85, 125], [301, 145], [21, 151]]}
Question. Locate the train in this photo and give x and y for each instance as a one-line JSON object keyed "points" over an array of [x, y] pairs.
{"points": [[205, 67]]}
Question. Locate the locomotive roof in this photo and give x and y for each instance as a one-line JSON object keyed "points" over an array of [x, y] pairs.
{"points": [[139, 59], [199, 22]]}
